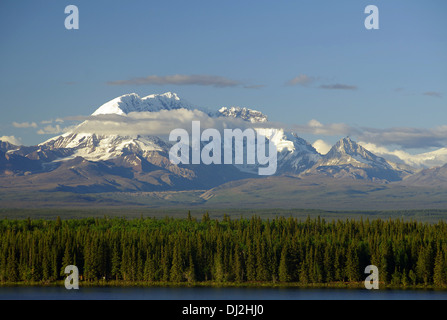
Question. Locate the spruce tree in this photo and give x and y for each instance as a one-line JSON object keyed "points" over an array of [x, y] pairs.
{"points": [[439, 272], [176, 268], [283, 271]]}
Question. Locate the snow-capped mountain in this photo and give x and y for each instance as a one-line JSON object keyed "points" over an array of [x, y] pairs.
{"points": [[96, 162], [101, 147], [346, 151], [348, 159], [119, 162], [295, 155]]}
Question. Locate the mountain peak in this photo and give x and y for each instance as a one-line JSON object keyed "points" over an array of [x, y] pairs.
{"points": [[132, 102], [120, 105], [346, 145], [347, 151], [243, 113], [348, 159]]}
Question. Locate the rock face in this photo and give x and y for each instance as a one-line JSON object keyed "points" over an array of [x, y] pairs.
{"points": [[6, 146]]}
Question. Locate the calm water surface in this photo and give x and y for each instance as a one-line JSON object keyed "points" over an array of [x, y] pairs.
{"points": [[206, 293]]}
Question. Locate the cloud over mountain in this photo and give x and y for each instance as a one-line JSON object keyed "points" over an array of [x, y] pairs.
{"points": [[321, 146], [405, 137], [11, 139]]}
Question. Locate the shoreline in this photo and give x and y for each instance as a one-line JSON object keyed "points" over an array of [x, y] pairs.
{"points": [[210, 284]]}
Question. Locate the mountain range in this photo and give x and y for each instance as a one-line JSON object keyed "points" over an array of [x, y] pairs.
{"points": [[90, 162]]}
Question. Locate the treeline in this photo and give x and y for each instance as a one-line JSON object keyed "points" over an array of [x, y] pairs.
{"points": [[190, 250]]}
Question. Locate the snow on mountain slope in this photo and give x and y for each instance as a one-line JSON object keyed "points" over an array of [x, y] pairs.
{"points": [[94, 147], [294, 156], [97, 147], [246, 114]]}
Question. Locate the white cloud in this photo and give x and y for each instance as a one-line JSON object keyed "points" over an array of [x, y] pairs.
{"points": [[302, 80], [317, 128], [321, 146], [57, 129], [12, 140], [24, 124], [156, 123], [402, 137], [59, 120], [405, 137], [421, 160], [315, 123]]}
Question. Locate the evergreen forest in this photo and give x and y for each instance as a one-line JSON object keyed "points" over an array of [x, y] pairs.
{"points": [[227, 251]]}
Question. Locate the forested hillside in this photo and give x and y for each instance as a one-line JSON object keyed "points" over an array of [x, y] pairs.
{"points": [[278, 250]]}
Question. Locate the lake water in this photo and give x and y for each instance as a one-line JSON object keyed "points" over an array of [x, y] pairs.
{"points": [[207, 293]]}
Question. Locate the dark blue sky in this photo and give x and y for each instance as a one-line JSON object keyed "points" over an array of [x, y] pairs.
{"points": [[296, 61]]}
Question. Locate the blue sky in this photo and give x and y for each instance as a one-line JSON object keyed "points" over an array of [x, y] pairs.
{"points": [[296, 61]]}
